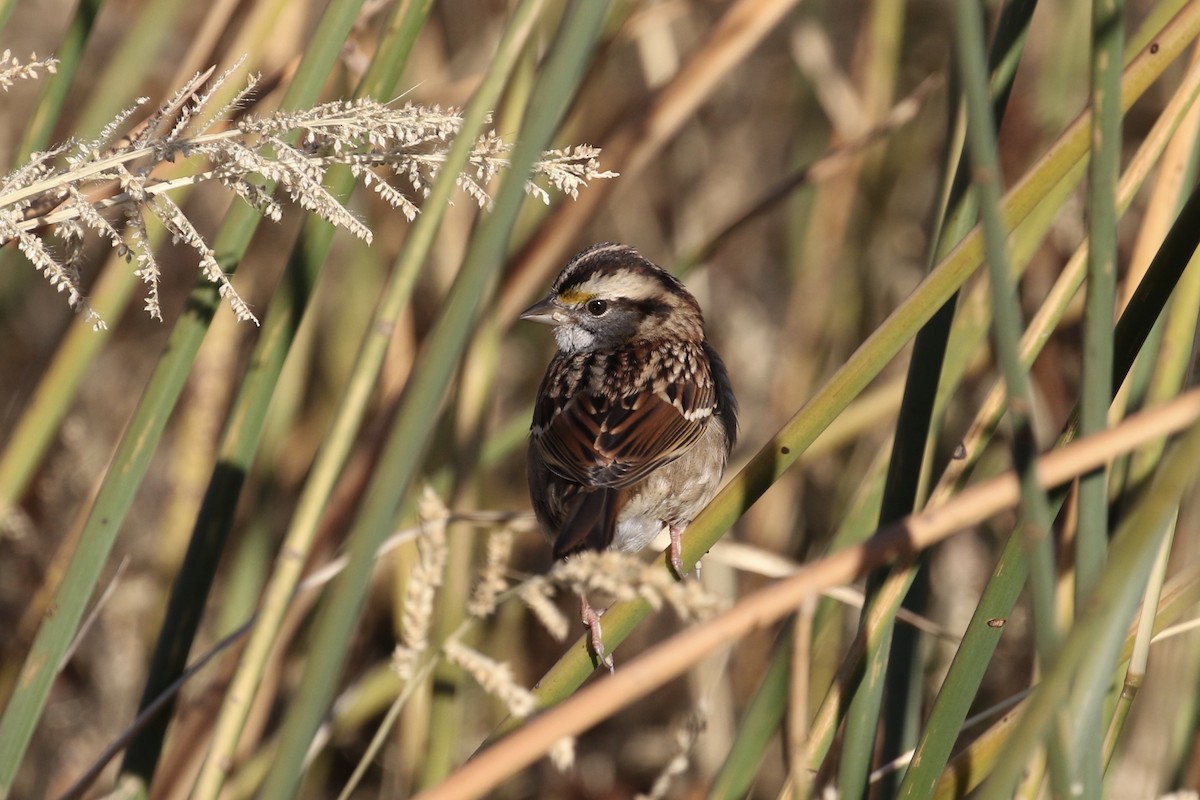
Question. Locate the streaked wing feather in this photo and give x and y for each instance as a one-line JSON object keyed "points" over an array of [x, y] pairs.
{"points": [[601, 444]]}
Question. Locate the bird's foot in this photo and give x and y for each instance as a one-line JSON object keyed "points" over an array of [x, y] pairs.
{"points": [[591, 618]]}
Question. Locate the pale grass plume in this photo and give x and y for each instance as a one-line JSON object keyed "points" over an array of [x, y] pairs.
{"points": [[624, 576], [108, 186], [15, 524], [63, 277], [686, 734], [562, 753], [492, 580], [143, 254], [12, 69], [494, 677], [538, 595], [423, 583]]}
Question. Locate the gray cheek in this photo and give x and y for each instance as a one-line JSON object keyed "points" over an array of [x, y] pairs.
{"points": [[615, 329]]}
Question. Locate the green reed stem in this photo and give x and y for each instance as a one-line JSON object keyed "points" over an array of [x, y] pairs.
{"points": [[411, 433], [132, 457]]}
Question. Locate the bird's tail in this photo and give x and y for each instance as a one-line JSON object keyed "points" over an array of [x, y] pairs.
{"points": [[590, 525]]}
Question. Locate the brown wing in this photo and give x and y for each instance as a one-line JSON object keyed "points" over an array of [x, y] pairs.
{"points": [[602, 442]]}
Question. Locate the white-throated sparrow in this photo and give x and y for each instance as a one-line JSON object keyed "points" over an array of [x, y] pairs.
{"points": [[635, 417]]}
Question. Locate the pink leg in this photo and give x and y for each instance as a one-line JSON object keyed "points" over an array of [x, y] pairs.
{"points": [[676, 551], [591, 618]]}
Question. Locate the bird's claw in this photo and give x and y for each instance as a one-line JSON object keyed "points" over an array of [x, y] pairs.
{"points": [[591, 618]]}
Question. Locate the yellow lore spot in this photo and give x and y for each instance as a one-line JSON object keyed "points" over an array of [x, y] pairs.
{"points": [[574, 297]]}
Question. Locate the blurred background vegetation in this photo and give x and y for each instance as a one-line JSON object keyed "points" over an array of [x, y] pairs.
{"points": [[788, 160]]}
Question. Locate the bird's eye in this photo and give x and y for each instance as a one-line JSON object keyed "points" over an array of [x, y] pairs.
{"points": [[597, 308]]}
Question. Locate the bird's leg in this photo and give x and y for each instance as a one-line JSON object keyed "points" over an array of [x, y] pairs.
{"points": [[591, 618], [676, 551]]}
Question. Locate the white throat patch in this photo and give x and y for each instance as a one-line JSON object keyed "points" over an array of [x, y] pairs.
{"points": [[573, 339]]}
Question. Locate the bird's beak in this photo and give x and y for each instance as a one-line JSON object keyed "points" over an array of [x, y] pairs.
{"points": [[546, 311]]}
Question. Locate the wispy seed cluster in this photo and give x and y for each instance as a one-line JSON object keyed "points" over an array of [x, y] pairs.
{"points": [[110, 185], [13, 69]]}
